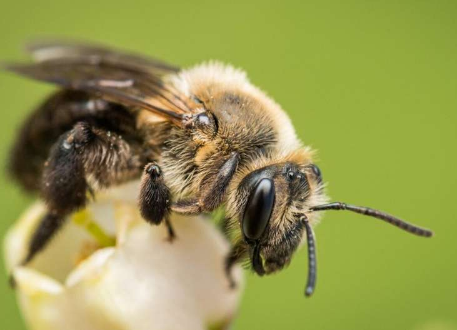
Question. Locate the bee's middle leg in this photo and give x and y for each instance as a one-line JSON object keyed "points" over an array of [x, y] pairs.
{"points": [[154, 199], [84, 158]]}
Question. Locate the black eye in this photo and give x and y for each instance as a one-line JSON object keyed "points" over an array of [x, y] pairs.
{"points": [[317, 172], [258, 209]]}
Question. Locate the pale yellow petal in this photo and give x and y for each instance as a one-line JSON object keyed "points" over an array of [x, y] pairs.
{"points": [[144, 282]]}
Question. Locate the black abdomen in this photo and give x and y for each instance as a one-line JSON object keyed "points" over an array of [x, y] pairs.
{"points": [[51, 119]]}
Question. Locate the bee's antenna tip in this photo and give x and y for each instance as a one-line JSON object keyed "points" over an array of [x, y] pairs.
{"points": [[309, 291]]}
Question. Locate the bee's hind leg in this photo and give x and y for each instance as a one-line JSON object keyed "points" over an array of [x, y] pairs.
{"points": [[154, 199], [83, 158]]}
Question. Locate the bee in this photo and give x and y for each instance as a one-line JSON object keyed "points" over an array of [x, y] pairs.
{"points": [[197, 139]]}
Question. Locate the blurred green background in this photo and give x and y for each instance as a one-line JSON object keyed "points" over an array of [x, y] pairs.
{"points": [[370, 84]]}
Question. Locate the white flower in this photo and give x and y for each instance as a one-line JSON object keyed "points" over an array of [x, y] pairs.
{"points": [[143, 282]]}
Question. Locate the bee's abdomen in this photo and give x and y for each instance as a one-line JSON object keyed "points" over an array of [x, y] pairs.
{"points": [[53, 118]]}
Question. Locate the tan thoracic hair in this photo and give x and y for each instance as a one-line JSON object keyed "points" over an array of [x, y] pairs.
{"points": [[198, 138]]}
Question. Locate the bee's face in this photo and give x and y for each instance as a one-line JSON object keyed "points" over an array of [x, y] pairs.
{"points": [[273, 200]]}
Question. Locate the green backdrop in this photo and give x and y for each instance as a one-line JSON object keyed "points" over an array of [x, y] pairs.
{"points": [[370, 84]]}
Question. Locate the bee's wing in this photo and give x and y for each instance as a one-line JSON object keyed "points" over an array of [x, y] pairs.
{"points": [[57, 50], [119, 77]]}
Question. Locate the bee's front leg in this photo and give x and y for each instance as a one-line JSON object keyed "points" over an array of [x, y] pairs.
{"points": [[154, 199], [212, 191], [236, 254]]}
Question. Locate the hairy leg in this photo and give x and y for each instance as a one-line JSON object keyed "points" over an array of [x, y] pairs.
{"points": [[154, 198], [57, 115], [236, 254], [83, 159], [213, 190]]}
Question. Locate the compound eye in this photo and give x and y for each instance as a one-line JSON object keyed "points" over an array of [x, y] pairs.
{"points": [[317, 173], [258, 209]]}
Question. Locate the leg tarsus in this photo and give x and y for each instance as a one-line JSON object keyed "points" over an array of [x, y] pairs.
{"points": [[234, 256], [171, 232], [48, 227]]}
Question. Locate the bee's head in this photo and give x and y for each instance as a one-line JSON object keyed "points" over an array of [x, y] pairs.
{"points": [[277, 204], [273, 202]]}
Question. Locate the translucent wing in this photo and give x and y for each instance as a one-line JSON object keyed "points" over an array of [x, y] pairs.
{"points": [[120, 77], [58, 50]]}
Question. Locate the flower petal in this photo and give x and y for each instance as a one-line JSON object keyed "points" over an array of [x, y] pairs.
{"points": [[144, 282]]}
